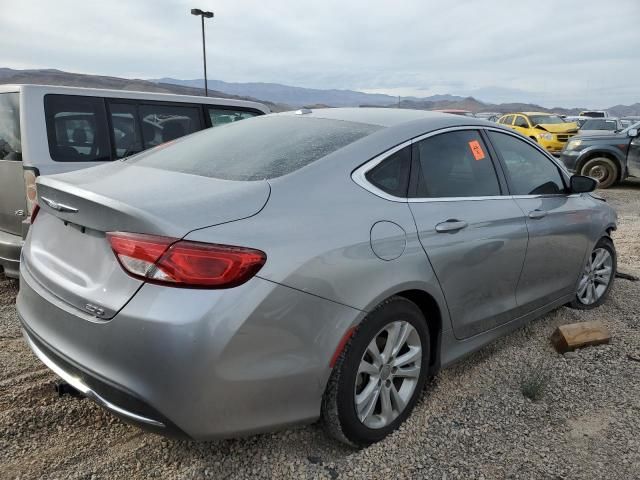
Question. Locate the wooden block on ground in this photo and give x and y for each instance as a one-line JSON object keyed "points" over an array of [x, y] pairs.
{"points": [[567, 338]]}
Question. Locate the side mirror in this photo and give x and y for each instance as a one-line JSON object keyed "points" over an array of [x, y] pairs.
{"points": [[582, 184], [633, 132]]}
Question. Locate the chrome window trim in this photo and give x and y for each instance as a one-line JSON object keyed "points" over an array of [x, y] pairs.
{"points": [[359, 174]]}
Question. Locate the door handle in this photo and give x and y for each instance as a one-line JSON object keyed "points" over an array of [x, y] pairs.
{"points": [[450, 226], [536, 214]]}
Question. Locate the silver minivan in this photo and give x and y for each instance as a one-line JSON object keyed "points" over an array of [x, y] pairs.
{"points": [[52, 129]]}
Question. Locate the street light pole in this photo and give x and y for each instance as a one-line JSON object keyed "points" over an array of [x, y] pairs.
{"points": [[202, 14]]}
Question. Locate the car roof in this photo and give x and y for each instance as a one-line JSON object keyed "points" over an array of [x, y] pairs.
{"points": [[130, 94], [387, 117], [536, 113]]}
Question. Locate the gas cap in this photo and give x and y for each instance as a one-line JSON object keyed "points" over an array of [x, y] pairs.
{"points": [[388, 240]]}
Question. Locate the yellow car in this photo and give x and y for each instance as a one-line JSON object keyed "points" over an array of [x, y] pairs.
{"points": [[549, 130]]}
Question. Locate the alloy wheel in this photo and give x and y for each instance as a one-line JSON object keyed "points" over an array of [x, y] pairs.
{"points": [[388, 374], [595, 277]]}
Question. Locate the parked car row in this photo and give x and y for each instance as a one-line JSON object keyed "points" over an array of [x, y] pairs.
{"points": [[607, 156], [49, 129], [547, 129], [213, 286]]}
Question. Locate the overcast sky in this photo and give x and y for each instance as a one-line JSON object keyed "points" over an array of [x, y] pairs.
{"points": [[556, 53]]}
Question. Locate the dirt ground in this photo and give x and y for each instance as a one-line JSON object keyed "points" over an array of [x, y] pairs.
{"points": [[472, 421]]}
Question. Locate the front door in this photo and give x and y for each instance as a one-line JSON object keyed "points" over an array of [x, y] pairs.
{"points": [[559, 223], [633, 157], [474, 237]]}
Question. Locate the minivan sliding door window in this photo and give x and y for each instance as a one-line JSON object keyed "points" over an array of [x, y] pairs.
{"points": [[77, 128], [10, 147], [125, 129]]}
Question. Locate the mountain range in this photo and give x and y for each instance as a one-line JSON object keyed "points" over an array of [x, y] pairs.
{"points": [[281, 97]]}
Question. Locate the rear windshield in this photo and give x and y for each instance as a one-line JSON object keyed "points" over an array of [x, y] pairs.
{"points": [[10, 148], [255, 149]]}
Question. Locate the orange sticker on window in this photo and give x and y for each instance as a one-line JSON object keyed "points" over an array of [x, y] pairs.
{"points": [[476, 149]]}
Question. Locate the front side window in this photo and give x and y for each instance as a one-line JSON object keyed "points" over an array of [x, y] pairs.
{"points": [[219, 116], [455, 164], [521, 122], [260, 148], [163, 123], [508, 120], [392, 174], [10, 147], [530, 172], [76, 128]]}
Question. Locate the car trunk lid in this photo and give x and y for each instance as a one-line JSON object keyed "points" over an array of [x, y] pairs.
{"points": [[68, 252]]}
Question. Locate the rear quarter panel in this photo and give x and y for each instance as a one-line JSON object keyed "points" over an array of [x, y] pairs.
{"points": [[315, 230]]}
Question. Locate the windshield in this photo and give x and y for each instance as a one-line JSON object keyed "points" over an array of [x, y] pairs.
{"points": [[545, 119], [600, 124], [10, 148], [635, 125], [255, 149]]}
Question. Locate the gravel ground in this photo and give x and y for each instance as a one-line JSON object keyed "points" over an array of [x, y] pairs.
{"points": [[472, 421]]}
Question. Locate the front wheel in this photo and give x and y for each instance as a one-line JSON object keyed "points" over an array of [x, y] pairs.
{"points": [[597, 276], [378, 377], [603, 169]]}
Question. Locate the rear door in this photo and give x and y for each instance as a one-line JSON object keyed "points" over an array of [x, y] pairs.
{"points": [[12, 191], [559, 223], [475, 237]]}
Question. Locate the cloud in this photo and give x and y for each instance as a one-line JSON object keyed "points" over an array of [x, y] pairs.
{"points": [[557, 53]]}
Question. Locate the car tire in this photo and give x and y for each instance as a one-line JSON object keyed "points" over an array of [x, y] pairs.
{"points": [[603, 169], [398, 383], [602, 257]]}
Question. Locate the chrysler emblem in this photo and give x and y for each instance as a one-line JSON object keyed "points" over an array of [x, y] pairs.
{"points": [[60, 207]]}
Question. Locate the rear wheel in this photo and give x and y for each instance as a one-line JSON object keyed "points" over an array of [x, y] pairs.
{"points": [[379, 375], [603, 169], [597, 276]]}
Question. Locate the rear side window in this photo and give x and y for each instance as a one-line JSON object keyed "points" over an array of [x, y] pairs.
{"points": [[219, 116], [259, 148], [529, 171], [76, 128], [163, 123], [455, 164], [10, 147], [392, 174]]}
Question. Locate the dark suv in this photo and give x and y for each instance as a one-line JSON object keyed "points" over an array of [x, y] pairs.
{"points": [[607, 158]]}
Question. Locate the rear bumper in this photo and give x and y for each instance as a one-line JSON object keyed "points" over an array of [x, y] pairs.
{"points": [[10, 247], [207, 363], [114, 398]]}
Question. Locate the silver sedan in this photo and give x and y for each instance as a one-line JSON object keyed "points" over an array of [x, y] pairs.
{"points": [[312, 264]]}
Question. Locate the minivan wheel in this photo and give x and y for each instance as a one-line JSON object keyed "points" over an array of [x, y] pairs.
{"points": [[378, 377], [603, 169], [597, 276]]}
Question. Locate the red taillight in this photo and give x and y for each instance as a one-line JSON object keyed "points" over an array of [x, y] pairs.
{"points": [[34, 213], [181, 263]]}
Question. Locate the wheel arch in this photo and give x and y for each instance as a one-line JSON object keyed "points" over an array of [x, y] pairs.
{"points": [[606, 153], [433, 316]]}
